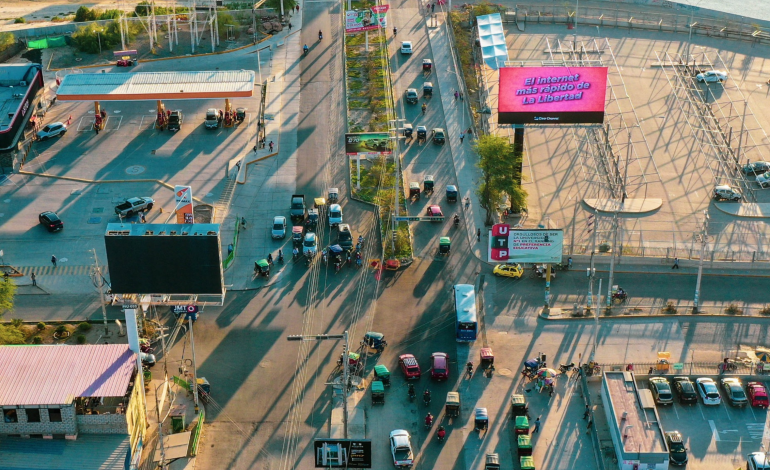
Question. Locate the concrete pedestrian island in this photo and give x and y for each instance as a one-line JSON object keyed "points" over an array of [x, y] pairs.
{"points": [[754, 210], [629, 206]]}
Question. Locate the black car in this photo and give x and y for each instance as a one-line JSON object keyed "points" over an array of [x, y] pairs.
{"points": [[676, 450], [50, 221], [685, 390]]}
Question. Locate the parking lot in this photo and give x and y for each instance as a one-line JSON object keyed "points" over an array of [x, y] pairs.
{"points": [[716, 436], [669, 159]]}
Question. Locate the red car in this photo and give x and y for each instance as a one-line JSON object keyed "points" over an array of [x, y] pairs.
{"points": [[757, 394], [125, 63], [410, 366], [434, 211], [439, 366]]}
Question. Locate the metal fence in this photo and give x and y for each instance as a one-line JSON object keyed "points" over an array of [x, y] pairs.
{"points": [[734, 27], [747, 368]]}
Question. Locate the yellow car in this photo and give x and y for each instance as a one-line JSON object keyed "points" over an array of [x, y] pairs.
{"points": [[509, 270]]}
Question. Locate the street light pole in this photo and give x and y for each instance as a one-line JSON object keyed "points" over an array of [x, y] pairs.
{"points": [[703, 240], [99, 38], [743, 123], [345, 366]]}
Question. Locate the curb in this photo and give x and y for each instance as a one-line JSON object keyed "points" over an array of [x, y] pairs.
{"points": [[256, 160], [644, 316], [110, 64]]}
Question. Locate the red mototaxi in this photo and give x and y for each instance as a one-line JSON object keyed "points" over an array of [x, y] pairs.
{"points": [[757, 394]]}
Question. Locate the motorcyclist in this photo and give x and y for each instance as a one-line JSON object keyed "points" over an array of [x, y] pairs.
{"points": [[280, 256], [270, 258], [295, 252], [441, 433], [395, 31], [424, 108], [428, 420], [469, 367], [361, 240], [320, 35], [305, 48], [410, 391], [426, 396], [457, 219]]}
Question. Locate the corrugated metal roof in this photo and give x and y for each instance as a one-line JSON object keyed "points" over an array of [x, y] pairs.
{"points": [[87, 452], [156, 85], [52, 375]]}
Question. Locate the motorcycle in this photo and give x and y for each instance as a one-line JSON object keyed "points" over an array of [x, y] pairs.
{"points": [[457, 220], [441, 434], [320, 36], [469, 369], [622, 296], [295, 254], [412, 394], [426, 397], [280, 257], [563, 368], [305, 49], [424, 108], [337, 267], [428, 421]]}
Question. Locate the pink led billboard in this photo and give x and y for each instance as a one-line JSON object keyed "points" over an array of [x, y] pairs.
{"points": [[552, 95]]}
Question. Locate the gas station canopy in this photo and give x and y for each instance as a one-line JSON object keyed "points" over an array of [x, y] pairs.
{"points": [[156, 86]]}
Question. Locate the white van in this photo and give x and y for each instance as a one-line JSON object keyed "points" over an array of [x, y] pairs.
{"points": [[335, 215]]}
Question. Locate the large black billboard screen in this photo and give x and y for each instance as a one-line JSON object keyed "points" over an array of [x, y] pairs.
{"points": [[148, 259]]}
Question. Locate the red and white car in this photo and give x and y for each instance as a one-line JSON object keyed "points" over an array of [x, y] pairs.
{"points": [[757, 394], [439, 366], [410, 366], [434, 211]]}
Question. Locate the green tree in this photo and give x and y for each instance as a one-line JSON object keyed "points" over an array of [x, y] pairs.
{"points": [[11, 335], [85, 14], [501, 176], [6, 40], [87, 38], [7, 293], [109, 15], [20, 20], [276, 5]]}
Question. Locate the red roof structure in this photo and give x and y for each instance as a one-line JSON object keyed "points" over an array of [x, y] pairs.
{"points": [[56, 375]]}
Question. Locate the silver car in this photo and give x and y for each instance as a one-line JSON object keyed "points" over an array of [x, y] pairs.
{"points": [[712, 76], [279, 226], [52, 130]]}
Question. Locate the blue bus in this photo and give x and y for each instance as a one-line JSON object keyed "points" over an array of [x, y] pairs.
{"points": [[466, 326]]}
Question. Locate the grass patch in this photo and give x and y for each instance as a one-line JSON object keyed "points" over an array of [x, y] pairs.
{"points": [[355, 85], [354, 73]]}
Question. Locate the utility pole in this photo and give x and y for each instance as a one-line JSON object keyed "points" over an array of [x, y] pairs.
{"points": [[703, 237], [612, 257], [194, 365], [394, 128], [345, 366], [99, 283]]}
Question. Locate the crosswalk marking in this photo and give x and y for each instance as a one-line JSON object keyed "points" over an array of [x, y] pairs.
{"points": [[756, 430], [60, 270]]}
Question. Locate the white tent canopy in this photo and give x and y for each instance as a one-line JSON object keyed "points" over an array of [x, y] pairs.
{"points": [[492, 40]]}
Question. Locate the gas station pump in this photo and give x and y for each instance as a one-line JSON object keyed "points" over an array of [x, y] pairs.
{"points": [[161, 121], [100, 117], [229, 114]]}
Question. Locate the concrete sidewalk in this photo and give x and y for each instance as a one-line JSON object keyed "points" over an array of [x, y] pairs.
{"points": [[457, 116]]}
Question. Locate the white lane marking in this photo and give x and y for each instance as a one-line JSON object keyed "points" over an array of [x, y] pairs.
{"points": [[714, 431], [756, 430]]}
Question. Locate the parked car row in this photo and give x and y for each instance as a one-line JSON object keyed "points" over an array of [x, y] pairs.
{"points": [[706, 388]]}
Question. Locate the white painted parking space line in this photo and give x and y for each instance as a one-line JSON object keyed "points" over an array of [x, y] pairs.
{"points": [[673, 407], [714, 431], [727, 411], [756, 430], [753, 415], [700, 408]]}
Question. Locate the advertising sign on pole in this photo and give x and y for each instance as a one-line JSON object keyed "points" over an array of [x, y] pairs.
{"points": [[367, 19], [552, 95], [368, 142], [343, 453], [525, 246], [184, 207]]}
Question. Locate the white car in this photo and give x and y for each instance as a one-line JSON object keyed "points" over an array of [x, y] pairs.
{"points": [[401, 448], [707, 389], [757, 461], [52, 130], [406, 47], [335, 215], [763, 180], [712, 76], [309, 245], [279, 226]]}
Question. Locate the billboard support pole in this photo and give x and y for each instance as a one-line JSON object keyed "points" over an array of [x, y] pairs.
{"points": [[358, 170], [547, 306], [100, 282], [612, 258], [366, 36], [194, 365]]}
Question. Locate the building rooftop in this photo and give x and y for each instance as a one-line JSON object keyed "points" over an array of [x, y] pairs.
{"points": [[15, 80], [640, 427], [127, 86], [56, 375], [87, 452]]}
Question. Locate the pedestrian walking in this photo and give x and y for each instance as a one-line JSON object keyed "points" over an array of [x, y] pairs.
{"points": [[462, 136], [238, 165], [433, 7], [144, 220], [34, 279], [649, 372], [467, 202], [271, 145], [461, 96], [289, 25], [243, 222], [457, 95], [469, 131], [587, 413], [297, 8], [96, 128], [69, 120], [676, 264], [537, 425], [53, 260], [588, 427], [478, 234]]}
